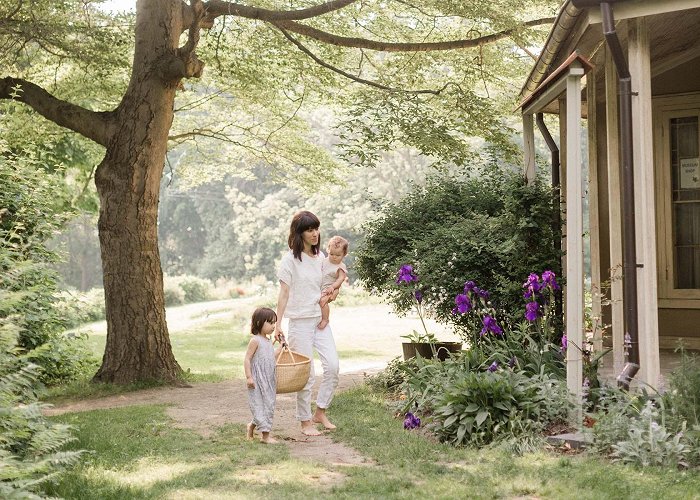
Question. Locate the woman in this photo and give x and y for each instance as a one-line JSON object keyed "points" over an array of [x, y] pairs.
{"points": [[300, 290]]}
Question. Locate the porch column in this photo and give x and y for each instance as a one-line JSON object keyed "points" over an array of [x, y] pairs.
{"points": [[574, 240], [529, 147], [594, 211], [615, 214], [647, 294]]}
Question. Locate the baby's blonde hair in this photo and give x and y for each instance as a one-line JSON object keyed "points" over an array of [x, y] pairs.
{"points": [[338, 241]]}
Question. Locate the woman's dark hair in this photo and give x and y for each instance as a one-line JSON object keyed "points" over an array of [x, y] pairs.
{"points": [[301, 222], [261, 316]]}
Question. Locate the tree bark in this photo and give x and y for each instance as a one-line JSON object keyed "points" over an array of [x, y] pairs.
{"points": [[128, 179]]}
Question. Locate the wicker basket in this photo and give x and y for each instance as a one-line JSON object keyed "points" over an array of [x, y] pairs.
{"points": [[293, 371]]}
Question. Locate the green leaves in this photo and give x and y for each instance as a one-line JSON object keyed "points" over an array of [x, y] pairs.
{"points": [[458, 228]]}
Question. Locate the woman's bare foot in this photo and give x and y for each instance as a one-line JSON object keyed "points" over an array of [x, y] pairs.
{"points": [[322, 324], [309, 429], [321, 418]]}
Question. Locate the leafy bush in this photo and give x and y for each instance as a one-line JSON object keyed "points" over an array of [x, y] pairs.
{"points": [[614, 413], [683, 396], [186, 289], [491, 227], [28, 287], [81, 307], [648, 442], [196, 289], [174, 295], [472, 400], [391, 378], [30, 447], [65, 357], [481, 407]]}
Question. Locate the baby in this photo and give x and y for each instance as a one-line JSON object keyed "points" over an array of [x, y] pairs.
{"points": [[334, 274]]}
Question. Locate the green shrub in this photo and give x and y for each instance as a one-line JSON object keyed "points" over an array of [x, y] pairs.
{"points": [[473, 400], [28, 290], [81, 307], [491, 228], [65, 357], [648, 442], [390, 379], [186, 289], [30, 447], [174, 295], [195, 289], [683, 396], [482, 407]]}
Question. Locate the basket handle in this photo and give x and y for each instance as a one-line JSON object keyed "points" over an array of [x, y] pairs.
{"points": [[285, 347]]}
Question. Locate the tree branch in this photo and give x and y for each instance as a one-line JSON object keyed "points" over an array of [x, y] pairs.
{"points": [[352, 77], [364, 43], [91, 124], [216, 8]]}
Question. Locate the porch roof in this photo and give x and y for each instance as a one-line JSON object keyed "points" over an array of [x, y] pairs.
{"points": [[551, 83], [674, 35]]}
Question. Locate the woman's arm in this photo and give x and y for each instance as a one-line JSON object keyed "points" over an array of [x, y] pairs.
{"points": [[282, 299], [252, 347]]}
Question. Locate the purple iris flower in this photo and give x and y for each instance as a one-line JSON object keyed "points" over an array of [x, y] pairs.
{"points": [[411, 421], [564, 343], [490, 325], [532, 311], [482, 293], [532, 285], [464, 305], [418, 295], [406, 274], [549, 278], [469, 286], [493, 367]]}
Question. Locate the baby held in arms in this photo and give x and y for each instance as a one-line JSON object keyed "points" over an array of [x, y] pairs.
{"points": [[334, 274]]}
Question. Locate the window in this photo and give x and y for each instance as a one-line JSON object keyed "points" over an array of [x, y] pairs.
{"points": [[676, 123], [685, 200]]}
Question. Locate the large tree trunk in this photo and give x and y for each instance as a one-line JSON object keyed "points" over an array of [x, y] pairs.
{"points": [[128, 180]]}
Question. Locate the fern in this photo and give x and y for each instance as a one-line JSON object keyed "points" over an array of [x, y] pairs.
{"points": [[30, 446]]}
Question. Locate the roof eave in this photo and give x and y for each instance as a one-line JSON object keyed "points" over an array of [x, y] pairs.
{"points": [[564, 25]]}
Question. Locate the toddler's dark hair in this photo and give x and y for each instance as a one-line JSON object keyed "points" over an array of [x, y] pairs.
{"points": [[261, 316]]}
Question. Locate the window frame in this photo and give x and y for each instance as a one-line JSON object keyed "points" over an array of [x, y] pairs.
{"points": [[664, 110]]}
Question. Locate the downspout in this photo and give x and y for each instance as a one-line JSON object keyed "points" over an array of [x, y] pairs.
{"points": [[629, 263], [556, 187]]}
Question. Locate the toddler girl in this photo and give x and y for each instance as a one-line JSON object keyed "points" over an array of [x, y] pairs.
{"points": [[259, 365]]}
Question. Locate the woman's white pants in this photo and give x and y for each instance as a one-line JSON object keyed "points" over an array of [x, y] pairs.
{"points": [[304, 337]]}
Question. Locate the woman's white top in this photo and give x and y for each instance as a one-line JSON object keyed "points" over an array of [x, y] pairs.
{"points": [[303, 277]]}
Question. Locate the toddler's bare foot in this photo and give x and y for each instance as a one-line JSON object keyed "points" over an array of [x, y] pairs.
{"points": [[323, 419], [308, 429], [250, 430], [322, 324], [268, 440]]}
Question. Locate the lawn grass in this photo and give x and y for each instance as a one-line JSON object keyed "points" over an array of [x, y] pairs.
{"points": [[144, 456], [210, 351]]}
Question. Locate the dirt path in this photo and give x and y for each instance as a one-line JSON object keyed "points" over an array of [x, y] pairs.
{"points": [[227, 403], [372, 333]]}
